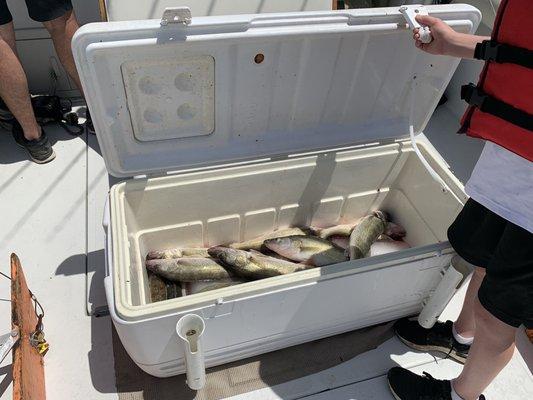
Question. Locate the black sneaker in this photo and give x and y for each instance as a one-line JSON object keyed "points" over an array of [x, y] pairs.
{"points": [[40, 150], [406, 385], [6, 118], [439, 338]]}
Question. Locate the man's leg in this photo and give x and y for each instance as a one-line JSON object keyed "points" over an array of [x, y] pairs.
{"points": [[14, 85], [492, 349], [465, 323], [61, 30], [7, 34]]}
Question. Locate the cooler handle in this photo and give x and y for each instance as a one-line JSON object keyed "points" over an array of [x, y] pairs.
{"points": [[330, 17]]}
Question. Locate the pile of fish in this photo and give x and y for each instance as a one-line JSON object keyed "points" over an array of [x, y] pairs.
{"points": [[175, 272]]}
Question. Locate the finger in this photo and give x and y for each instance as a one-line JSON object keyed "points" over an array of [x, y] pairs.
{"points": [[417, 36], [420, 45], [424, 47], [427, 20], [416, 30]]}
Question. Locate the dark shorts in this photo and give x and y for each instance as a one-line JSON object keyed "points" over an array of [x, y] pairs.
{"points": [[505, 250], [39, 10]]}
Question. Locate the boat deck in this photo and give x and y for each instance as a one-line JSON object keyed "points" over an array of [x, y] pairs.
{"points": [[51, 217]]}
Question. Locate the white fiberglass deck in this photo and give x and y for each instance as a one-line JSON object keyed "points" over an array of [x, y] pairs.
{"points": [[51, 217]]}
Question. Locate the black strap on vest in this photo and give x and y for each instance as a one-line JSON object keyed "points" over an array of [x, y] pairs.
{"points": [[491, 50], [486, 103]]}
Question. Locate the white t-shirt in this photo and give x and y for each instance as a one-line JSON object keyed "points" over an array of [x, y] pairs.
{"points": [[502, 181]]}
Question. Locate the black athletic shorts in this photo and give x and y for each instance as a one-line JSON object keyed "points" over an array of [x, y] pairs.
{"points": [[505, 250], [39, 10]]}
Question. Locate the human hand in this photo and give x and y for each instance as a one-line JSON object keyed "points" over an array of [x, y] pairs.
{"points": [[443, 36]]}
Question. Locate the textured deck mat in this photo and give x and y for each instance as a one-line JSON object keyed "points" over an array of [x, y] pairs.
{"points": [[250, 374]]}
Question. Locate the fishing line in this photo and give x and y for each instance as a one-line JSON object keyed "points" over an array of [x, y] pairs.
{"points": [[1, 273]]}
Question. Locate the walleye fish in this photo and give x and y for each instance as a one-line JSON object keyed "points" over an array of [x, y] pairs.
{"points": [[202, 287], [256, 243], [366, 233], [395, 231], [158, 288], [254, 265], [307, 249], [161, 289], [337, 230], [340, 241], [188, 269], [384, 246], [177, 253]]}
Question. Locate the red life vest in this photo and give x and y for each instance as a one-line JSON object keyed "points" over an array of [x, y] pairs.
{"points": [[501, 105]]}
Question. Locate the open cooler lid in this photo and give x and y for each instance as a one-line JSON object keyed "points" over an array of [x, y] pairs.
{"points": [[171, 95]]}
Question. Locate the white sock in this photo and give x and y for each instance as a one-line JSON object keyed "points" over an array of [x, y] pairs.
{"points": [[454, 394], [462, 339]]}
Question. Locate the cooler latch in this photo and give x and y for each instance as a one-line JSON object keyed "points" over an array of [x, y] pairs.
{"points": [[410, 13], [176, 15]]}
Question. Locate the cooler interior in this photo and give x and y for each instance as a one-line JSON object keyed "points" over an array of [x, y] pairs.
{"points": [[238, 203]]}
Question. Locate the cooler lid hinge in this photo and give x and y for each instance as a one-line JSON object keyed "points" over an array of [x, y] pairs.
{"points": [[176, 15]]}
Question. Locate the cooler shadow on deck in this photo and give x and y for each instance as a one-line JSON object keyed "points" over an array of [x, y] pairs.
{"points": [[100, 356], [266, 370]]}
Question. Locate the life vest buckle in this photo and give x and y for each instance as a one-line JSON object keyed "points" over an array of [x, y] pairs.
{"points": [[488, 50], [473, 96]]}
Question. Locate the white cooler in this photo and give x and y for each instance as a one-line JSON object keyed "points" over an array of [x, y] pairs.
{"points": [[234, 126]]}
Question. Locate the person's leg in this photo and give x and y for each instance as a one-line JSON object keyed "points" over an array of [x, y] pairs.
{"points": [[7, 34], [474, 235], [465, 323], [504, 302], [14, 89], [491, 351], [61, 30]]}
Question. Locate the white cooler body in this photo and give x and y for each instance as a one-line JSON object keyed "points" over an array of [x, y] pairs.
{"points": [[312, 132]]}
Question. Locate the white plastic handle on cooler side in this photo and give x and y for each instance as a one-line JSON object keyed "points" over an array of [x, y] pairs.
{"points": [[450, 282], [190, 329], [265, 21]]}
